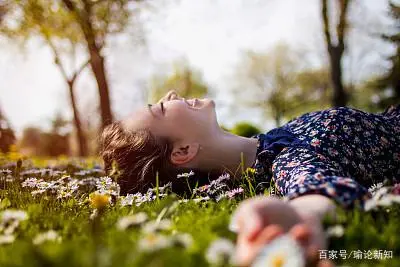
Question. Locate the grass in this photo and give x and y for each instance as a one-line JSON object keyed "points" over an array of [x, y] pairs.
{"points": [[98, 242]]}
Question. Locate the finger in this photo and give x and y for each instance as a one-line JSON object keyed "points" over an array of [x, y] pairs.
{"points": [[247, 250], [249, 223], [268, 234], [326, 263], [246, 216], [312, 255], [301, 233]]}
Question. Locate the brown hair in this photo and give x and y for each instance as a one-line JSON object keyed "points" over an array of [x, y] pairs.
{"points": [[139, 155]]}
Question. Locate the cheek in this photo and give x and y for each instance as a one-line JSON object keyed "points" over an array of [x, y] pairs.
{"points": [[180, 116]]}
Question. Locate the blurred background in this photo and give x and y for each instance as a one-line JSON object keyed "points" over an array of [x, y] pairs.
{"points": [[70, 67]]}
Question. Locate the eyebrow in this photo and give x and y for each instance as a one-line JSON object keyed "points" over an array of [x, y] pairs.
{"points": [[151, 111]]}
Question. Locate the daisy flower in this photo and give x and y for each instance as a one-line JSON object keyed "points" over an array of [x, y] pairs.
{"points": [[50, 235], [336, 231], [6, 239], [185, 175], [283, 251], [375, 187], [99, 201], [220, 251], [154, 226], [131, 220], [153, 242], [182, 240], [200, 199], [16, 215]]}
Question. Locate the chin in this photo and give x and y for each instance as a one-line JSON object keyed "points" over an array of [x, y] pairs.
{"points": [[210, 102]]}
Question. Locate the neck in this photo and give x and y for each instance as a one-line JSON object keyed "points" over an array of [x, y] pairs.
{"points": [[224, 152]]}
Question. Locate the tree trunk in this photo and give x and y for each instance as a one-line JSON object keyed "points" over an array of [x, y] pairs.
{"points": [[96, 59], [339, 94], [98, 68], [82, 142], [335, 50]]}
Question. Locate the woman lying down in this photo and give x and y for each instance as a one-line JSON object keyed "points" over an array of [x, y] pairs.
{"points": [[317, 161]]}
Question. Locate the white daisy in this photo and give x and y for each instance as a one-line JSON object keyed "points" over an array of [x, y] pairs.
{"points": [[375, 187], [16, 215], [154, 226], [283, 251], [220, 251], [182, 239], [153, 242], [186, 175], [383, 201], [200, 199], [50, 235], [131, 220], [6, 239], [336, 231]]}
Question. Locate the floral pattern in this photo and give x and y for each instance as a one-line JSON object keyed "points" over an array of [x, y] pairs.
{"points": [[339, 153]]}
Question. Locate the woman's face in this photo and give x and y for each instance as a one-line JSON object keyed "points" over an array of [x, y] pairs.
{"points": [[177, 118]]}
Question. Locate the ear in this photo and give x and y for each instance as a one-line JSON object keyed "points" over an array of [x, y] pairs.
{"points": [[184, 153]]}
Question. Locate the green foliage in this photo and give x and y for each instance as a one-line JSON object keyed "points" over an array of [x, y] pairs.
{"points": [[184, 81], [53, 19], [388, 86], [223, 127], [280, 86], [367, 97], [245, 129]]}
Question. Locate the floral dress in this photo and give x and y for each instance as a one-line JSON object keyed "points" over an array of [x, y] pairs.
{"points": [[338, 152]]}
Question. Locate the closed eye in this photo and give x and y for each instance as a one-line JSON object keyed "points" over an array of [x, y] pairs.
{"points": [[162, 107]]}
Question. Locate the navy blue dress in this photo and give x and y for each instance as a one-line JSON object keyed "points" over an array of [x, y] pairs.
{"points": [[338, 152]]}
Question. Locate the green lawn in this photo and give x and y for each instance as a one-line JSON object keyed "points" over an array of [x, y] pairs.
{"points": [[169, 230]]}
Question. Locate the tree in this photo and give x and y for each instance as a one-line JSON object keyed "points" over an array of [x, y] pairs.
{"points": [[315, 90], [86, 22], [3, 10], [335, 45], [273, 75], [186, 83], [35, 141], [70, 80], [245, 129], [53, 26], [97, 20], [7, 136], [389, 83]]}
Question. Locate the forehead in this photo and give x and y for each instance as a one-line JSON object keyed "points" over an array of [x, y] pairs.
{"points": [[139, 119]]}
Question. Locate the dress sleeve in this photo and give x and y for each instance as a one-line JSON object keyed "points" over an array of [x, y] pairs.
{"points": [[300, 171]]}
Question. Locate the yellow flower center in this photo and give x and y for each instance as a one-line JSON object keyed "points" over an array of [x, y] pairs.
{"points": [[278, 260], [99, 201]]}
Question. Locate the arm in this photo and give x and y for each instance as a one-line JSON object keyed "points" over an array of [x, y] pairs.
{"points": [[313, 184], [314, 206]]}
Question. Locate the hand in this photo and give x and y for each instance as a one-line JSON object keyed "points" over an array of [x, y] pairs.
{"points": [[260, 220]]}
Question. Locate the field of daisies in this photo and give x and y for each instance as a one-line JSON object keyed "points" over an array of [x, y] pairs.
{"points": [[66, 212]]}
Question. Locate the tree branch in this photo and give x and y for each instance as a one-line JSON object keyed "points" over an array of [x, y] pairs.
{"points": [[83, 66], [342, 25], [325, 20], [57, 58]]}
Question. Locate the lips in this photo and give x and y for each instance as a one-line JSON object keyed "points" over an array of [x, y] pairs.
{"points": [[193, 103]]}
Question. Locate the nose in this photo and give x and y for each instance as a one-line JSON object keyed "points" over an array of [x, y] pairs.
{"points": [[172, 94]]}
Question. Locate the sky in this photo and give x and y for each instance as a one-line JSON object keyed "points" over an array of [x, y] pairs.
{"points": [[210, 35]]}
